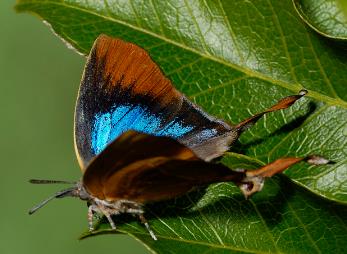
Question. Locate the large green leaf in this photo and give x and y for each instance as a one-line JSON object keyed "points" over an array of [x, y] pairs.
{"points": [[235, 58], [326, 17]]}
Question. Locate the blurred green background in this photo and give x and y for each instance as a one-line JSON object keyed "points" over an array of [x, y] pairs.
{"points": [[39, 79]]}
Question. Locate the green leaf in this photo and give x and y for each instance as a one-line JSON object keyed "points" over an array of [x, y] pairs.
{"points": [[326, 17], [235, 58]]}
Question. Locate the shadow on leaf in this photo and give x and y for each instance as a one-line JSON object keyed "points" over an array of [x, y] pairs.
{"points": [[239, 147], [216, 203]]}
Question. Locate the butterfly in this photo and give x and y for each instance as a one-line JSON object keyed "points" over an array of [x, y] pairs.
{"points": [[139, 140]]}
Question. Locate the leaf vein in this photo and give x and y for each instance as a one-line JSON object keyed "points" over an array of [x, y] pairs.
{"points": [[157, 16], [233, 81], [208, 223], [265, 226], [202, 40], [283, 39], [231, 31], [319, 64], [227, 247], [307, 121]]}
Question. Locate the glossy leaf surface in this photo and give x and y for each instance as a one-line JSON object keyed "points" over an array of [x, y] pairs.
{"points": [[235, 58], [327, 17]]}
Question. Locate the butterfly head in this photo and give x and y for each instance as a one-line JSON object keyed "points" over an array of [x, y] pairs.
{"points": [[81, 192]]}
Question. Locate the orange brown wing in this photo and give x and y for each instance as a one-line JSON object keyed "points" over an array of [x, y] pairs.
{"points": [[144, 168]]}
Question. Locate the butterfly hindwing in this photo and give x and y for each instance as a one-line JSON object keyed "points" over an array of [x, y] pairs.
{"points": [[144, 168], [123, 89]]}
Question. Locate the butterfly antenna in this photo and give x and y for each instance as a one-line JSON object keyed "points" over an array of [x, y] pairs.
{"points": [[59, 194], [41, 181]]}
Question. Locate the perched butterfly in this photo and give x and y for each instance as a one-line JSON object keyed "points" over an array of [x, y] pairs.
{"points": [[139, 140]]}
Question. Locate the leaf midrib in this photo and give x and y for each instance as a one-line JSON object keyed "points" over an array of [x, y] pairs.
{"points": [[251, 73], [212, 245]]}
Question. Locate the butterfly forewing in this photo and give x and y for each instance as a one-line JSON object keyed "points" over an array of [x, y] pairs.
{"points": [[123, 89]]}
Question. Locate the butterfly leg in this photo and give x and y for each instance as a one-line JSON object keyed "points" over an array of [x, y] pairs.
{"points": [[145, 222], [281, 104], [107, 212], [109, 218], [254, 179], [90, 217], [137, 210], [93, 211]]}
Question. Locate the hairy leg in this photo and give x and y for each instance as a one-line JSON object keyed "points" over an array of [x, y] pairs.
{"points": [[144, 222]]}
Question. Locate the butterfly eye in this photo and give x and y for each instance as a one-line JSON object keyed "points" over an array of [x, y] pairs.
{"points": [[82, 193]]}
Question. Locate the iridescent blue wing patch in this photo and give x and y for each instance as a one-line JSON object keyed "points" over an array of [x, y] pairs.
{"points": [[123, 89]]}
